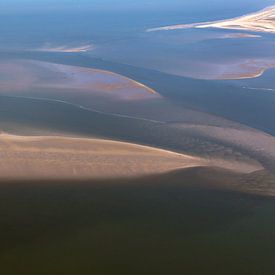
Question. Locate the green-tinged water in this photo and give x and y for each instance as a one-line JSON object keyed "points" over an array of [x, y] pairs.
{"points": [[158, 225]]}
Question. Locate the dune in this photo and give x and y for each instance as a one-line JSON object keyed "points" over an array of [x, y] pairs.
{"points": [[261, 21]]}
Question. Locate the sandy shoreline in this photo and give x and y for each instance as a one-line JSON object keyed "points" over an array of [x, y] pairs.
{"points": [[46, 157], [261, 21], [57, 157]]}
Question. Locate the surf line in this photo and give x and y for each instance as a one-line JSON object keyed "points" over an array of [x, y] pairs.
{"points": [[85, 108]]}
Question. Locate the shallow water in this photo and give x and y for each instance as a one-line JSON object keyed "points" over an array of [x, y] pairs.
{"points": [[169, 224], [153, 225]]}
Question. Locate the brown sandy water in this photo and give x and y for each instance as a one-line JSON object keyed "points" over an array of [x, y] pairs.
{"points": [[173, 223]]}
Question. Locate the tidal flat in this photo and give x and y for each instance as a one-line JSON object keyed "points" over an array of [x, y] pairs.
{"points": [[132, 152]]}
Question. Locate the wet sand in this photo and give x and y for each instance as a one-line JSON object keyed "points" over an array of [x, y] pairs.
{"points": [[230, 70], [42, 157], [69, 120], [23, 75]]}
